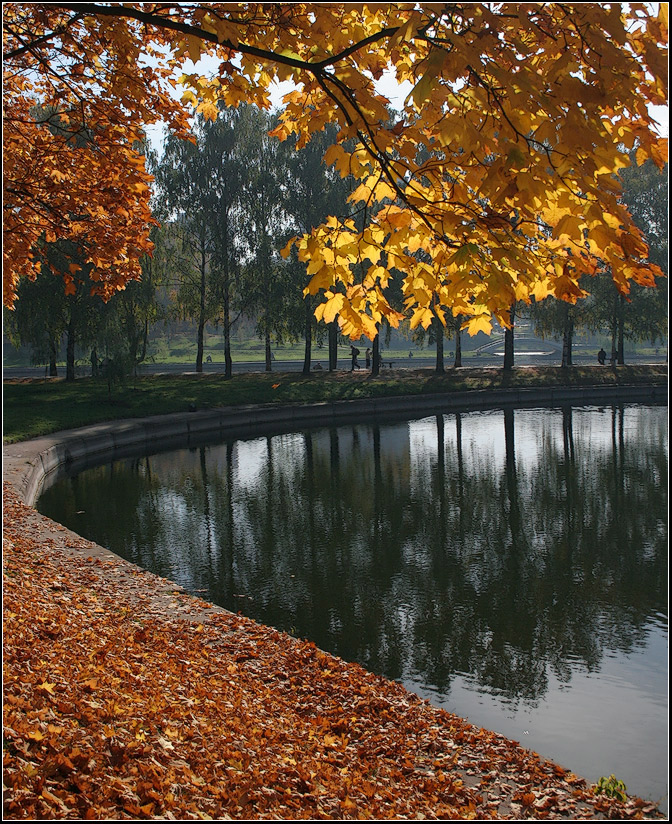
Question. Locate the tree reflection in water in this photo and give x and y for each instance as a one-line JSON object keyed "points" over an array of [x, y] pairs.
{"points": [[508, 548], [422, 547]]}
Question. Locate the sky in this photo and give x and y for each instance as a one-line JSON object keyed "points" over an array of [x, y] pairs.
{"points": [[387, 85]]}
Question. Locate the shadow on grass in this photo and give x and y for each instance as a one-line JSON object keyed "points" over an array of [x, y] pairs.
{"points": [[34, 407]]}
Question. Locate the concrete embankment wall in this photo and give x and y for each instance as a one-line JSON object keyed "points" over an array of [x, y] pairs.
{"points": [[31, 465]]}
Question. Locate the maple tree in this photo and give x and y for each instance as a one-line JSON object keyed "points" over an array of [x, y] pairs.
{"points": [[496, 182]]}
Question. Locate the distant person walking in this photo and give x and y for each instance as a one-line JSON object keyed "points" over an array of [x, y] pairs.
{"points": [[368, 359], [601, 357], [354, 351]]}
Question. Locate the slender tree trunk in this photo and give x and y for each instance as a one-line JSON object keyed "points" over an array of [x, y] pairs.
{"points": [[620, 352], [53, 357], [70, 349], [333, 346], [614, 331], [438, 334], [308, 335], [199, 343], [226, 303], [267, 349], [375, 358], [458, 342], [201, 314], [567, 335], [228, 360], [145, 340], [508, 341]]}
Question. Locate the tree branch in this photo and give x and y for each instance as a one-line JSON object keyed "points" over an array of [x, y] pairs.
{"points": [[159, 21]]}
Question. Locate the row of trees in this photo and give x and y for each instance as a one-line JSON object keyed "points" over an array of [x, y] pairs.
{"points": [[228, 202], [494, 182], [225, 204], [640, 316]]}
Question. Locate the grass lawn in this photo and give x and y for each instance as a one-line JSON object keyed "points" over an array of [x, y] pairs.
{"points": [[34, 407]]}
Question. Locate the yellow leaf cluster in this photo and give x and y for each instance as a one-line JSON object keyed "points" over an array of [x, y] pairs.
{"points": [[496, 181]]}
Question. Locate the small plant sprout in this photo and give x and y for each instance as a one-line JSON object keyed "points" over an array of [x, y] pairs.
{"points": [[611, 787]]}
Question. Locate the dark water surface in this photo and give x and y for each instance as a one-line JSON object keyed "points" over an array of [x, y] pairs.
{"points": [[510, 566]]}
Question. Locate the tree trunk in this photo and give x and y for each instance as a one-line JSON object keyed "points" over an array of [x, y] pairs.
{"points": [[199, 343], [375, 359], [458, 342], [308, 335], [53, 357], [508, 341], [439, 367], [145, 341], [567, 335], [620, 351], [70, 349], [438, 333], [614, 332], [333, 346], [228, 360], [267, 348], [226, 303], [201, 314]]}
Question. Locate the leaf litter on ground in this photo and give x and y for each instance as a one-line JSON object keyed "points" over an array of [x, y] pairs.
{"points": [[127, 698]]}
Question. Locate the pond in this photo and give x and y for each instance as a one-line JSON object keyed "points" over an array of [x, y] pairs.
{"points": [[509, 566]]}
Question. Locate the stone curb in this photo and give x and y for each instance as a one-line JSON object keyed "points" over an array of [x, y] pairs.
{"points": [[28, 464]]}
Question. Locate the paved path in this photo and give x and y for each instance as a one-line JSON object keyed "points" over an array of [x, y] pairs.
{"points": [[416, 362]]}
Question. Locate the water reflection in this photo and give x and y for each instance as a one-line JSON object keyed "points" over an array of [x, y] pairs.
{"points": [[509, 550]]}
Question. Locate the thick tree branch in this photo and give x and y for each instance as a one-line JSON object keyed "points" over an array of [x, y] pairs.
{"points": [[159, 21]]}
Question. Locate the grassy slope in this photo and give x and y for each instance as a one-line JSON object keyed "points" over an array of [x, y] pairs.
{"points": [[36, 407]]}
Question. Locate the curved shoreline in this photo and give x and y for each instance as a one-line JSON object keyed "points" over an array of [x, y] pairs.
{"points": [[504, 787], [27, 464]]}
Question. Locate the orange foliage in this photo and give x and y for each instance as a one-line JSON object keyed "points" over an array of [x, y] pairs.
{"points": [[495, 183], [74, 111]]}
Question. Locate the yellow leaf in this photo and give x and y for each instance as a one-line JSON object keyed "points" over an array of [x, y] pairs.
{"points": [[322, 280], [421, 317], [540, 289], [332, 154], [189, 97], [423, 88], [569, 225], [361, 193], [286, 250], [480, 323], [209, 110], [333, 307], [383, 190], [194, 45]]}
